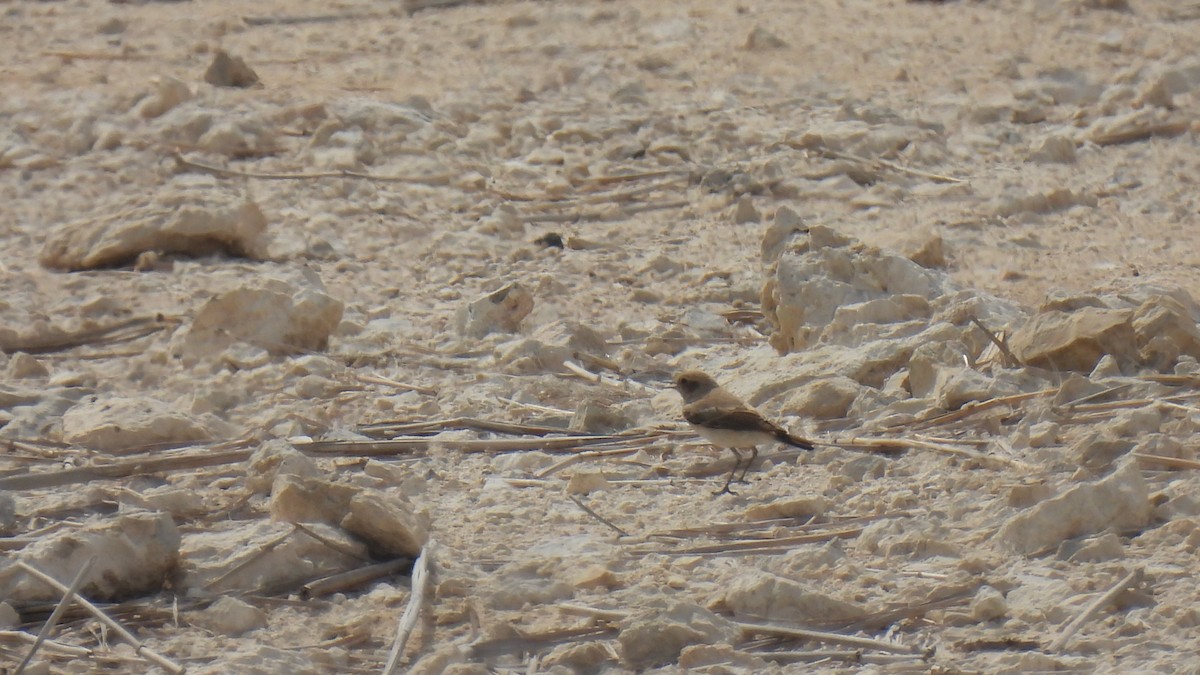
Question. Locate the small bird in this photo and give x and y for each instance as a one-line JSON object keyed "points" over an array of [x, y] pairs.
{"points": [[727, 422]]}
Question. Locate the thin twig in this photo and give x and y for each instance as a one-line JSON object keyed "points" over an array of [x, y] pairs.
{"points": [[1134, 578], [352, 579], [588, 510], [442, 180], [379, 379], [762, 629], [123, 331], [758, 545], [253, 557], [66, 601], [937, 178], [583, 457], [1173, 462], [138, 648], [1010, 359], [408, 620], [600, 379], [936, 447]]}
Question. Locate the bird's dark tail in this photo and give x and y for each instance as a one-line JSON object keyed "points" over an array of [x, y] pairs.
{"points": [[788, 439]]}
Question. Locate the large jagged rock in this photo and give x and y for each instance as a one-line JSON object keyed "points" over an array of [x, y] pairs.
{"points": [[117, 423], [134, 554], [1120, 501], [655, 635], [276, 315], [1165, 330], [763, 596], [830, 284], [193, 220], [1076, 340], [499, 311]]}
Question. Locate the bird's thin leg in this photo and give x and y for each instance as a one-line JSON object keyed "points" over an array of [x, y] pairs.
{"points": [[737, 460], [746, 469]]}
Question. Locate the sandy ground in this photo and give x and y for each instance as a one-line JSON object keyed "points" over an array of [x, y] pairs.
{"points": [[990, 117]]}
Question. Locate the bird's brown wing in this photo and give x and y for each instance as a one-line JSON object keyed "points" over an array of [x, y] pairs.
{"points": [[733, 419], [741, 418]]}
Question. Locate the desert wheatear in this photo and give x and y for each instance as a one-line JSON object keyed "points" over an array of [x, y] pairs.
{"points": [[725, 421]]}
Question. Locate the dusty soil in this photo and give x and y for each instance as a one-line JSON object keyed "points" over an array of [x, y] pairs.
{"points": [[488, 126]]}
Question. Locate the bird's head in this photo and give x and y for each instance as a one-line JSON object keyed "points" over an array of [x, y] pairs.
{"points": [[693, 385]]}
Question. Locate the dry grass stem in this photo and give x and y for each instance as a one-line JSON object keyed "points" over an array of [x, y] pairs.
{"points": [[67, 598], [748, 628], [139, 648], [909, 443], [1173, 462], [403, 386], [353, 579], [50, 646], [254, 556], [1131, 580], [584, 456], [442, 180], [416, 601], [758, 545], [604, 521], [123, 331]]}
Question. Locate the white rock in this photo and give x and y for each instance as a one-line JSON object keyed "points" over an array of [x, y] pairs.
{"points": [[988, 604], [275, 458], [231, 616], [390, 525], [9, 618], [499, 311], [134, 553], [241, 546], [118, 423], [1120, 500], [763, 596], [1053, 149], [276, 315], [168, 93], [655, 635], [301, 499], [190, 220]]}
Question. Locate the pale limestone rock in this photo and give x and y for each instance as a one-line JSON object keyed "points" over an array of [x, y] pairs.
{"points": [[193, 220], [656, 633], [25, 366], [118, 423], [300, 499], [1119, 500], [761, 596], [276, 315], [1165, 330], [777, 235], [760, 39], [231, 616], [277, 458], [9, 618], [168, 93], [988, 604], [499, 311], [134, 554], [581, 657], [390, 526], [1055, 148], [831, 289], [1057, 340], [551, 345], [228, 70], [584, 482], [1105, 547], [795, 507], [235, 556], [825, 398]]}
